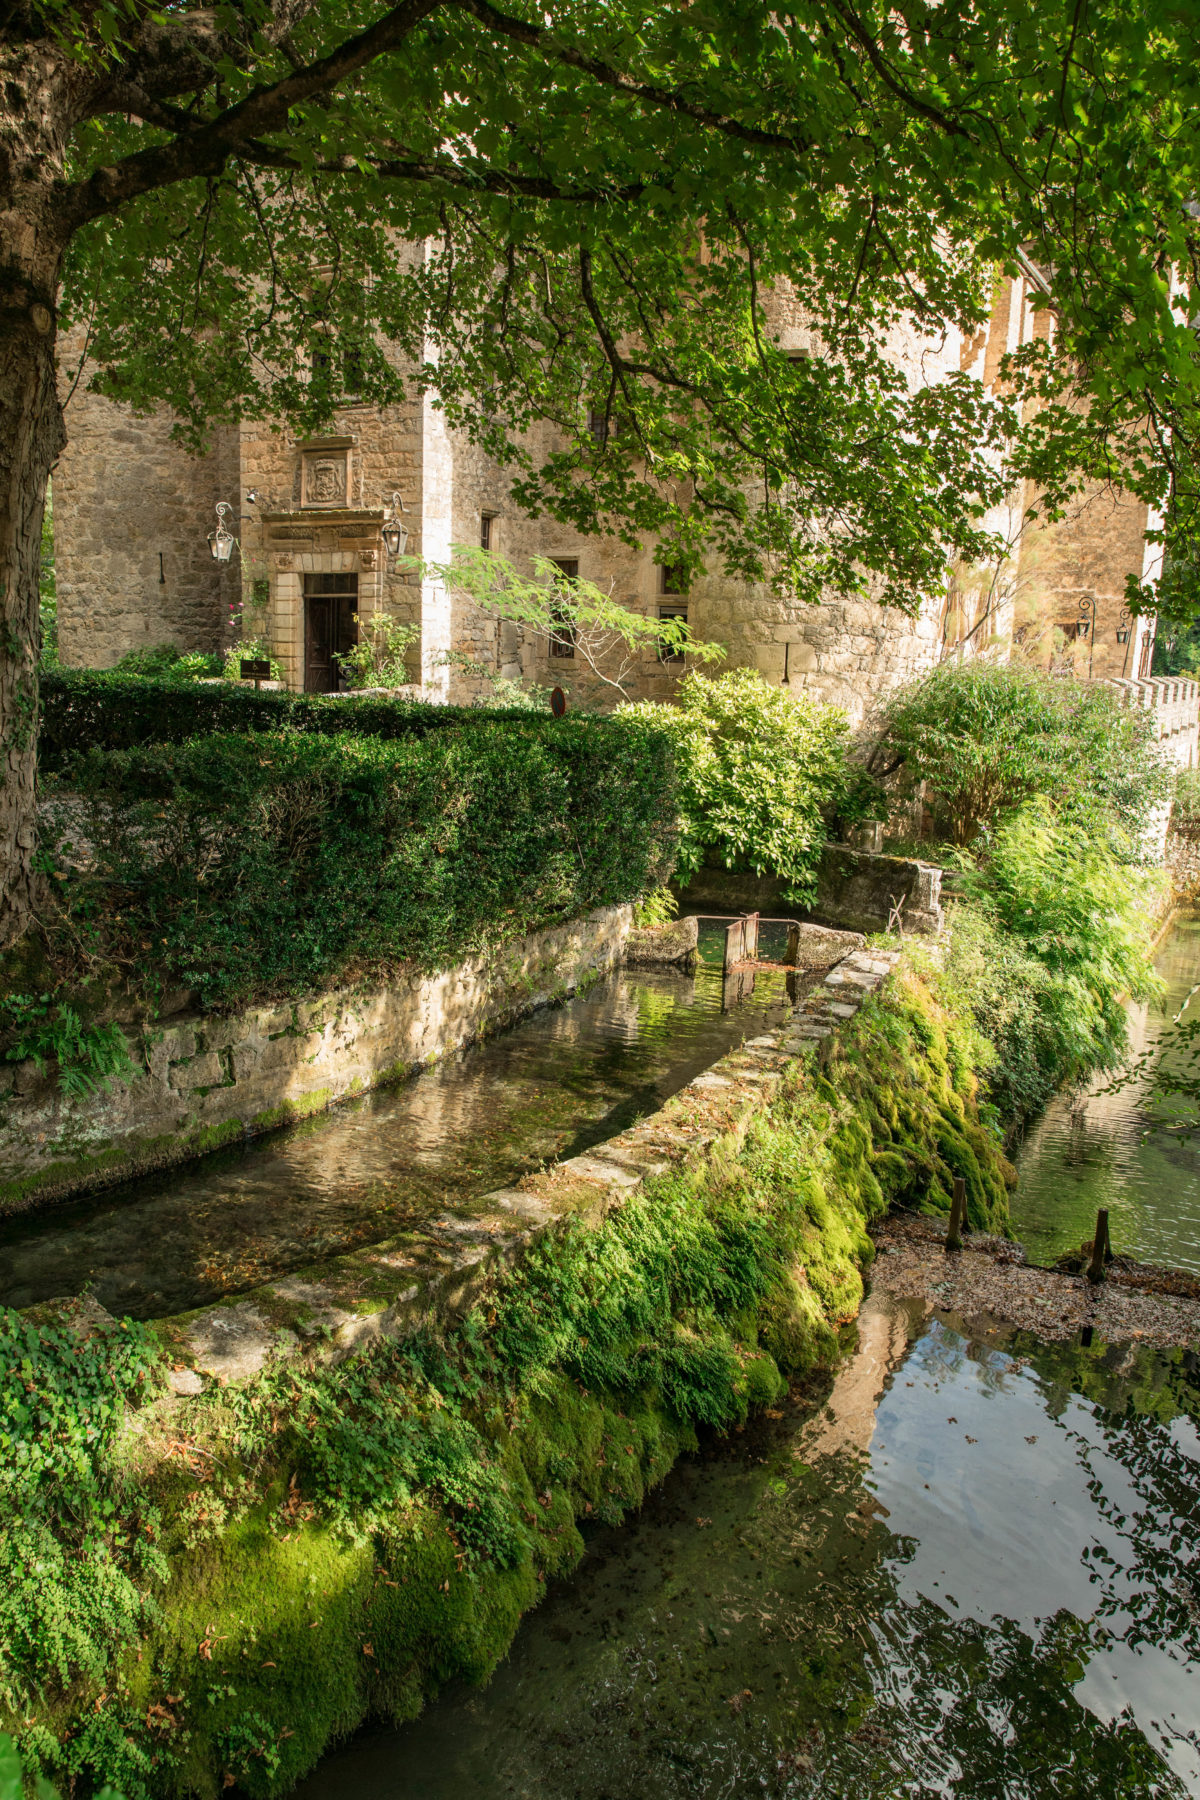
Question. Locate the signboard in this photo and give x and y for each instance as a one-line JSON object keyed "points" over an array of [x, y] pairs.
{"points": [[558, 703], [256, 668]]}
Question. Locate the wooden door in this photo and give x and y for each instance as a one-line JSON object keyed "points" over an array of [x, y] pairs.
{"points": [[330, 605]]}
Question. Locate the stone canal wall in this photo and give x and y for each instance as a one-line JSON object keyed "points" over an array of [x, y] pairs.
{"points": [[857, 890], [206, 1080]]}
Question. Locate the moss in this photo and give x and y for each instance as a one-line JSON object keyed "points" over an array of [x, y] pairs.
{"points": [[288, 1110], [345, 1538]]}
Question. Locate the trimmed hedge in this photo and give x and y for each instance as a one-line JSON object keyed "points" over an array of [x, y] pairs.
{"points": [[273, 863], [84, 709]]}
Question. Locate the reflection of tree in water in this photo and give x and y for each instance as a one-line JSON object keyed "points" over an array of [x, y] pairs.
{"points": [[769, 1653]]}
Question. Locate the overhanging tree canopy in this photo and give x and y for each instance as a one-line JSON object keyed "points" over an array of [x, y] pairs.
{"points": [[606, 191]]}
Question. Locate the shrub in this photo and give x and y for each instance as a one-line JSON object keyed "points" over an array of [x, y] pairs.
{"points": [[757, 771], [985, 736], [258, 863], [377, 660], [253, 649], [166, 662], [1061, 886], [110, 710]]}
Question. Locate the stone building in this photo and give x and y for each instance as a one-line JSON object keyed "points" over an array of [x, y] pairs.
{"points": [[132, 510]]}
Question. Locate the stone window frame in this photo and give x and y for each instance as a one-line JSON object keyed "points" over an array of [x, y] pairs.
{"points": [[562, 640]]}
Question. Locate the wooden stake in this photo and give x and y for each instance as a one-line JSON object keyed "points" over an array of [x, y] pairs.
{"points": [[958, 1214], [1099, 1248]]}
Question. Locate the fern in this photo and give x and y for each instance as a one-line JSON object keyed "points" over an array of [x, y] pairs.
{"points": [[89, 1057]]}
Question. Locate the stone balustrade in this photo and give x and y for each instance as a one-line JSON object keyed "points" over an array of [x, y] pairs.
{"points": [[1175, 704]]}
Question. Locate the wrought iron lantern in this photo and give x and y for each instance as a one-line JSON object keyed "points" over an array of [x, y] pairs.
{"points": [[222, 542], [395, 531], [1123, 626]]}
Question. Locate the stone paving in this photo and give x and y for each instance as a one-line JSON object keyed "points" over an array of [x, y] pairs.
{"points": [[438, 1269]]}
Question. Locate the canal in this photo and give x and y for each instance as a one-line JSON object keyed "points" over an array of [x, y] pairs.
{"points": [[1136, 1156], [971, 1569]]}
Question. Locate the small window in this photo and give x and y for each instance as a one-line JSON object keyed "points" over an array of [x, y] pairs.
{"points": [[340, 370], [671, 653], [672, 579], [598, 426], [487, 531], [562, 633], [353, 370]]}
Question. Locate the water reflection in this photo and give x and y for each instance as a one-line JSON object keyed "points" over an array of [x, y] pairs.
{"points": [[1108, 1150], [553, 1086], [981, 1584]]}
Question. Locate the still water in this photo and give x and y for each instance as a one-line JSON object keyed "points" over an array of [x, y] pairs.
{"points": [[553, 1086], [1121, 1151], [973, 1573]]}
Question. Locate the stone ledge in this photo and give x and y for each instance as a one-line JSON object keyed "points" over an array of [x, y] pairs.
{"points": [[334, 1309]]}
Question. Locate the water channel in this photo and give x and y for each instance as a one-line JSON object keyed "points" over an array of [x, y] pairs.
{"points": [[971, 1570], [1121, 1150], [973, 1573], [553, 1086]]}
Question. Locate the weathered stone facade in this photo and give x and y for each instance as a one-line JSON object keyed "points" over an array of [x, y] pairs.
{"points": [[124, 493]]}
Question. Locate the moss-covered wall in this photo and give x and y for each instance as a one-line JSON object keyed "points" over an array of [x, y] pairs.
{"points": [[218, 1587]]}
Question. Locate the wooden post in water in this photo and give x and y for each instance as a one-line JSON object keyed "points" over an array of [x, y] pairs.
{"points": [[791, 955], [1099, 1247], [958, 1214], [735, 944], [750, 940]]}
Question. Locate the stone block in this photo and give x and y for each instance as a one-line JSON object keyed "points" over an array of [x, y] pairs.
{"points": [[199, 1072]]}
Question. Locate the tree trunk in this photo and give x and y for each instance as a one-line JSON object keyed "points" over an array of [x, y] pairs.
{"points": [[31, 438]]}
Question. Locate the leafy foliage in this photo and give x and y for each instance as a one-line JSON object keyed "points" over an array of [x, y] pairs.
{"points": [[162, 662], [985, 736], [1059, 883], [656, 908], [260, 863], [12, 1785], [76, 1547], [566, 167], [757, 772], [253, 649], [377, 659], [88, 1057], [608, 638], [104, 709]]}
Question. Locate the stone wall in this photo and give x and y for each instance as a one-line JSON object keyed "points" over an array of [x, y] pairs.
{"points": [[207, 1080], [857, 890], [131, 511]]}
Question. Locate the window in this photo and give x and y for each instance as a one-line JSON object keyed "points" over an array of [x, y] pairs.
{"points": [[339, 370], [598, 426], [671, 653], [562, 634], [487, 531], [672, 579]]}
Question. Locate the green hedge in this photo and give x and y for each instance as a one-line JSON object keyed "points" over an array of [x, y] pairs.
{"points": [[84, 709], [270, 863]]}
